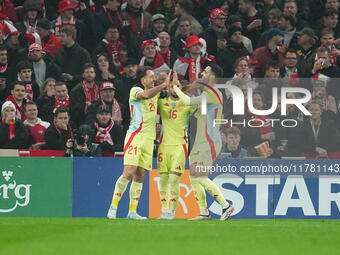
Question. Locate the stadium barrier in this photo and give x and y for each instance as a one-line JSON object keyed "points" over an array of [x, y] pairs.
{"points": [[83, 187]]}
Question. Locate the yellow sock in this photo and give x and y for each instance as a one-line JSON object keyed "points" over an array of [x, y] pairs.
{"points": [[164, 190], [213, 190], [120, 187], [199, 193], [135, 191], [174, 190]]}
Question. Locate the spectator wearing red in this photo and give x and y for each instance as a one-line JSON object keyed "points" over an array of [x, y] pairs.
{"points": [[83, 95], [17, 97], [49, 41], [24, 69], [153, 58], [13, 133], [190, 66], [273, 51], [168, 54], [7, 10], [35, 126]]}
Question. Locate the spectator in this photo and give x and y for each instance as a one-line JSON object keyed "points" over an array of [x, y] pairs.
{"points": [[290, 72], [104, 69], [317, 136], [272, 71], [24, 69], [169, 55], [234, 20], [108, 134], [8, 11], [48, 104], [72, 57], [35, 126], [216, 34], [83, 95], [330, 20], [183, 8], [17, 97], [235, 49], [272, 51], [49, 41], [327, 40], [5, 74], [13, 133], [179, 42], [291, 7], [107, 97], [113, 46], [153, 58], [306, 45], [252, 20], [83, 145], [158, 25], [43, 66], [232, 143], [190, 66], [287, 24], [167, 8], [126, 82], [60, 132]]}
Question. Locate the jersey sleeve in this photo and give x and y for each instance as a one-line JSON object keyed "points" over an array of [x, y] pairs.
{"points": [[134, 91]]}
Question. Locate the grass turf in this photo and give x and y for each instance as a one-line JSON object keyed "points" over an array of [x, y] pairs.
{"points": [[102, 236]]}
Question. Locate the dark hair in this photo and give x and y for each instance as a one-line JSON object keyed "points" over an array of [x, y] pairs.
{"points": [[141, 72], [290, 18], [216, 69], [186, 5], [113, 26], [326, 31], [329, 12], [29, 103], [272, 64], [290, 51], [184, 18], [70, 31], [60, 83], [60, 109], [23, 65], [252, 2], [88, 65], [21, 83], [3, 48], [275, 12], [232, 130]]}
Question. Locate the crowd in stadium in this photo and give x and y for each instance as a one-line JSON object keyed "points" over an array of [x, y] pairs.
{"points": [[67, 67]]}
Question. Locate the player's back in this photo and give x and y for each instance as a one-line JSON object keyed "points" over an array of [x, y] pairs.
{"points": [[174, 115], [143, 114]]}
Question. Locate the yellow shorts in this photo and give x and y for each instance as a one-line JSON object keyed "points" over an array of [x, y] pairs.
{"points": [[138, 151], [204, 154], [172, 158]]}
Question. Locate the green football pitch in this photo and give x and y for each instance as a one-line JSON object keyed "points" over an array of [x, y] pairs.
{"points": [[101, 236]]}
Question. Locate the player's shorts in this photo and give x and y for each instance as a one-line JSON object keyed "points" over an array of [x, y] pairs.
{"points": [[138, 151], [204, 154], [172, 158]]}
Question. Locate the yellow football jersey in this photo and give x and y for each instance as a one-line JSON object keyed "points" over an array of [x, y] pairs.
{"points": [[174, 115]]}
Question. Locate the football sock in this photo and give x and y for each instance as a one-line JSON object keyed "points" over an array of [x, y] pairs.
{"points": [[174, 190], [164, 191], [120, 187], [213, 190], [199, 193], [135, 192]]}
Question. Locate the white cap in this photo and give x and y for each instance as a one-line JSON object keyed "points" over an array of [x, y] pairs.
{"points": [[7, 104]]}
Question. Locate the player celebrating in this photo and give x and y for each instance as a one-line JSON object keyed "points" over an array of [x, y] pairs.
{"points": [[172, 151], [139, 140], [207, 143]]}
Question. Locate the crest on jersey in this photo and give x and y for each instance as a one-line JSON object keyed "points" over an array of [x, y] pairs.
{"points": [[173, 105]]}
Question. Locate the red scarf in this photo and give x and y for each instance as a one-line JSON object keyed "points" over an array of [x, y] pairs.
{"points": [[90, 97], [59, 24], [166, 57], [3, 68], [19, 113], [110, 18], [133, 24], [266, 128], [92, 7], [61, 130], [113, 50], [11, 128], [103, 134], [29, 92], [58, 103], [116, 111]]}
